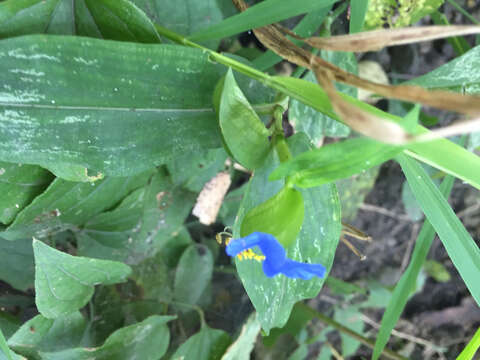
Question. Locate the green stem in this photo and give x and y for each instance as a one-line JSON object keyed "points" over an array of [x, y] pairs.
{"points": [[464, 12], [365, 341]]}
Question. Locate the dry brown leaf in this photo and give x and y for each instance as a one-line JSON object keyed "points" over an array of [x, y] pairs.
{"points": [[378, 39], [272, 36], [358, 119], [458, 128], [211, 197]]}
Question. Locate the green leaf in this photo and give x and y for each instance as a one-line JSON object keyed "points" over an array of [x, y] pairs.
{"points": [[19, 184], [147, 340], [469, 351], [459, 244], [273, 298], [207, 344], [67, 205], [442, 154], [194, 170], [142, 225], [315, 124], [64, 283], [460, 74], [116, 109], [243, 345], [335, 161], [42, 334], [194, 272], [242, 130], [230, 205], [4, 347], [338, 286], [110, 19], [281, 215], [184, 16], [17, 267], [358, 10], [264, 13]]}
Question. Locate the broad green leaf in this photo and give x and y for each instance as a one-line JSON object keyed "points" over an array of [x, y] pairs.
{"points": [[193, 171], [460, 74], [184, 16], [72, 172], [19, 184], [116, 109], [243, 132], [305, 28], [109, 19], [469, 351], [273, 298], [147, 340], [144, 224], [281, 215], [42, 334], [264, 13], [207, 344], [194, 272], [17, 267], [335, 161], [358, 10], [67, 205], [64, 283], [243, 345], [460, 246]]}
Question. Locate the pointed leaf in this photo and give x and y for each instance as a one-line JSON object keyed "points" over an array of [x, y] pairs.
{"points": [[460, 246], [17, 267], [207, 344], [273, 298], [335, 161], [194, 272], [243, 345], [64, 283], [147, 340], [42, 334], [242, 129]]}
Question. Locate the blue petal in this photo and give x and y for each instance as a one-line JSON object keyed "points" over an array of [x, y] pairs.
{"points": [[276, 261]]}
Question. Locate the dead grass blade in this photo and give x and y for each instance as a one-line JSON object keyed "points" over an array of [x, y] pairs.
{"points": [[358, 119], [459, 128], [377, 39], [272, 36]]}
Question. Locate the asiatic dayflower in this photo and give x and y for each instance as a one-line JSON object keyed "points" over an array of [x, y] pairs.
{"points": [[275, 259]]}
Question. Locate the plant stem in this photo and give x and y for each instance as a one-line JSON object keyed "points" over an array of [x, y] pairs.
{"points": [[464, 12], [365, 341]]}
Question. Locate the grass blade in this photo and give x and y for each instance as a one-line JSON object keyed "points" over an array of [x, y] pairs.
{"points": [[460, 246], [471, 348], [407, 282], [264, 13], [358, 9]]}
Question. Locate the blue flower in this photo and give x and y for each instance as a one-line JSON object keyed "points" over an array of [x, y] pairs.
{"points": [[276, 261]]}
